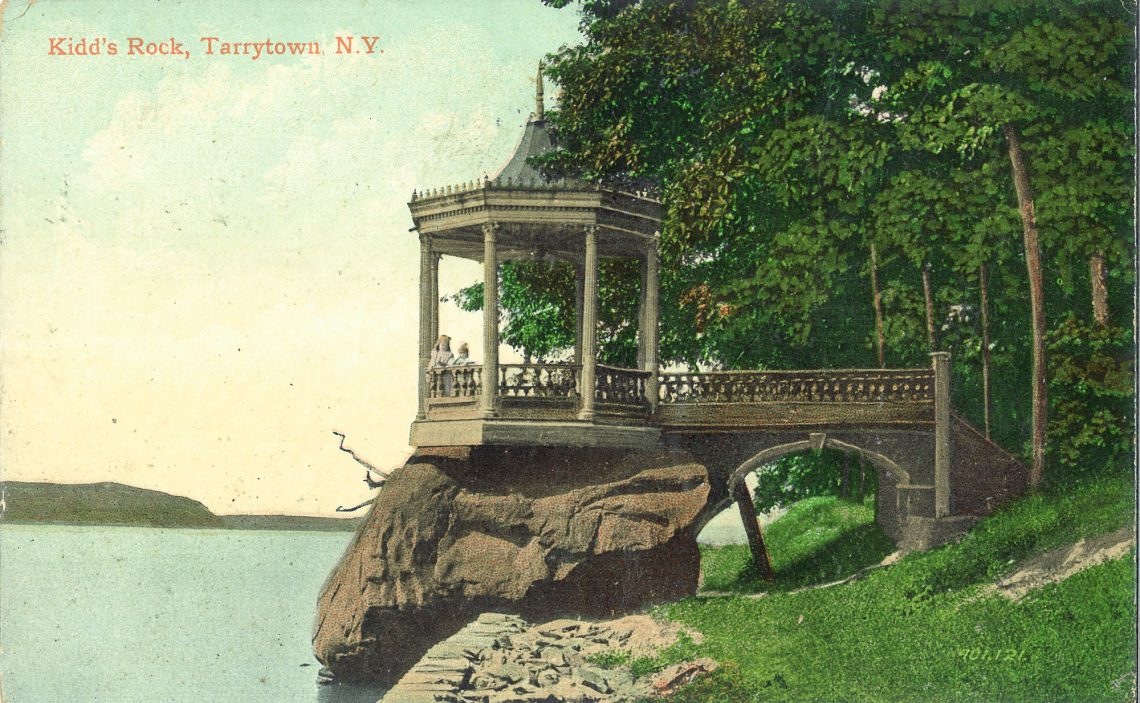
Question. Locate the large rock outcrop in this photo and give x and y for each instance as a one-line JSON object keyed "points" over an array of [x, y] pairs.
{"points": [[540, 532]]}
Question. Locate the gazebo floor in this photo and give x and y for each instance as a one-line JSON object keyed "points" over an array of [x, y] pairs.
{"points": [[567, 433]]}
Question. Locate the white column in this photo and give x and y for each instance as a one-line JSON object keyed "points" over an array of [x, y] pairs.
{"points": [[490, 322], [941, 362], [579, 291], [652, 323], [589, 325], [426, 321], [642, 324], [434, 279]]}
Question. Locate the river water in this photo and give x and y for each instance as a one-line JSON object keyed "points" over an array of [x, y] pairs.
{"points": [[125, 614]]}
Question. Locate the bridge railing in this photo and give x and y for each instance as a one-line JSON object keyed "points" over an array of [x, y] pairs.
{"points": [[821, 386]]}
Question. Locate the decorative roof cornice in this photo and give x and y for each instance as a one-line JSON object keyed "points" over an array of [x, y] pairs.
{"points": [[531, 184]]}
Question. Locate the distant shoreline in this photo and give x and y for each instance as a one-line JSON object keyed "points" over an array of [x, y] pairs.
{"points": [[118, 505]]}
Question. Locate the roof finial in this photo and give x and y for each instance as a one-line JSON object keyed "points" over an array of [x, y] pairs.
{"points": [[539, 111]]}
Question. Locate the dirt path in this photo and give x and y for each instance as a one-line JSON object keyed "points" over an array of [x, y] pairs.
{"points": [[1059, 564]]}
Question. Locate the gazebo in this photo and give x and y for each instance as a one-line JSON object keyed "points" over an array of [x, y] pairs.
{"points": [[521, 214]]}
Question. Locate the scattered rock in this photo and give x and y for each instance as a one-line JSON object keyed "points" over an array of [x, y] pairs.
{"points": [[669, 680], [505, 661], [892, 558]]}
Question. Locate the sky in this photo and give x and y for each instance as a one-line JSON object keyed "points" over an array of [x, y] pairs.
{"points": [[205, 262]]}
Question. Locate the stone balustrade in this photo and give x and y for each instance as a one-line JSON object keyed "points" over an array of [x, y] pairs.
{"points": [[455, 382], [614, 386], [819, 386], [618, 385], [539, 380]]}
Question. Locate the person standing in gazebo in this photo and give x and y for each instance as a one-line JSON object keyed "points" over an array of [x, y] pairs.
{"points": [[463, 378], [440, 358], [463, 359]]}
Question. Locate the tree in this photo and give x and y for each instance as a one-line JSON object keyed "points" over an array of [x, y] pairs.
{"points": [[818, 161], [986, 69], [1036, 299]]}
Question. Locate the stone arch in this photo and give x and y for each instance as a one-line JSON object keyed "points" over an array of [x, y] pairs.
{"points": [[772, 453], [889, 513]]}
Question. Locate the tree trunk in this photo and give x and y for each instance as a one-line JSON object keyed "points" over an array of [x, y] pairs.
{"points": [[862, 479], [845, 482], [756, 544], [929, 307], [1036, 300], [877, 299], [984, 280], [1098, 278]]}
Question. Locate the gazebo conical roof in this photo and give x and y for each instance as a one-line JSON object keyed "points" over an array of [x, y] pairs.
{"points": [[537, 216], [536, 141]]}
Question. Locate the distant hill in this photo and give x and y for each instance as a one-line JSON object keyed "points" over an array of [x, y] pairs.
{"points": [[101, 504], [118, 504]]}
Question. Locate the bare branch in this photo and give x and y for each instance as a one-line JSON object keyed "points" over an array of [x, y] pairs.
{"points": [[360, 461], [372, 483], [342, 509]]}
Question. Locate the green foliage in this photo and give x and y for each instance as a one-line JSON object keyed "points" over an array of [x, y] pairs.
{"points": [[537, 299], [643, 666], [922, 630], [1091, 391], [798, 476], [610, 659]]}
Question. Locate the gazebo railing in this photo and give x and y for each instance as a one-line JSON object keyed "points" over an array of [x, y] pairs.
{"points": [[618, 385], [455, 382], [822, 386], [539, 380], [552, 387]]}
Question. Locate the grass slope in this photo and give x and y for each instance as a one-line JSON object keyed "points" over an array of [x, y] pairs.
{"points": [[920, 630], [817, 540]]}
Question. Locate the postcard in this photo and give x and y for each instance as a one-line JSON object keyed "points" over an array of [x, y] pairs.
{"points": [[537, 350]]}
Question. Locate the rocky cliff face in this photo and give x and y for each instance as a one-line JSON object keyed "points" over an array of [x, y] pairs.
{"points": [[539, 532]]}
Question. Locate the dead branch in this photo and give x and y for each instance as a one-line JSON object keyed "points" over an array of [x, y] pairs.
{"points": [[342, 509], [372, 483]]}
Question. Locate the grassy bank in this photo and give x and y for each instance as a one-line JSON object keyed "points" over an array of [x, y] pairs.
{"points": [[817, 540], [921, 629]]}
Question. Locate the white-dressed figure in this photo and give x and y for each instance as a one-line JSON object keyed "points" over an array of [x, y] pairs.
{"points": [[440, 358], [462, 359]]}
